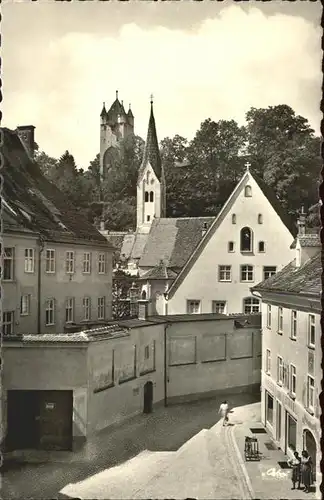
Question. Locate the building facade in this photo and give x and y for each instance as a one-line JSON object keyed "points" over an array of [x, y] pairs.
{"points": [[57, 268], [291, 352]]}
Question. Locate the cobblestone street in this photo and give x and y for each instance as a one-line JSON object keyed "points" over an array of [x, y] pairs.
{"points": [[167, 429]]}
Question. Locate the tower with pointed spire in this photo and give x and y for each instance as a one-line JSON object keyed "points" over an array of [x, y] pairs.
{"points": [[151, 181], [115, 125]]}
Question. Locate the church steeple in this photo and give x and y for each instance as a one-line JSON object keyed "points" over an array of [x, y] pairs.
{"points": [[151, 151], [151, 182]]}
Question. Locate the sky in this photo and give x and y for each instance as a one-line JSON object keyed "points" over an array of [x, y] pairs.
{"points": [[62, 60]]}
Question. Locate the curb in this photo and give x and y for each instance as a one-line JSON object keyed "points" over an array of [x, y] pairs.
{"points": [[241, 463]]}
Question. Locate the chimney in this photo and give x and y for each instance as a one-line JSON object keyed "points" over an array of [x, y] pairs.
{"points": [[26, 134], [301, 222], [142, 309], [204, 230]]}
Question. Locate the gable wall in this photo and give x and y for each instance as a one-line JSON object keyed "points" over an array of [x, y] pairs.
{"points": [[201, 282]]}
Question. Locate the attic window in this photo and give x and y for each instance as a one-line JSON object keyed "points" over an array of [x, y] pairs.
{"points": [[247, 191], [260, 219], [246, 240], [151, 196], [146, 196], [233, 218], [148, 218], [261, 246]]}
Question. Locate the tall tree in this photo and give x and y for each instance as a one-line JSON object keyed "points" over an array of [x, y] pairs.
{"points": [[284, 150]]}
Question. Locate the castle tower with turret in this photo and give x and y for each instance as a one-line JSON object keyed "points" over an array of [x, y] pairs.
{"points": [[151, 181], [115, 125]]}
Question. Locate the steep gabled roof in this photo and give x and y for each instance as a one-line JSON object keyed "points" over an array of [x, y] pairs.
{"points": [[216, 223], [35, 203], [304, 280], [307, 240], [151, 150], [173, 240]]}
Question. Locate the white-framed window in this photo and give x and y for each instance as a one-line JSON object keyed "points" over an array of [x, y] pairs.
{"points": [[311, 330], [50, 260], [69, 310], [260, 219], [101, 263], [25, 305], [231, 246], [219, 306], [224, 273], [8, 323], [269, 316], [293, 379], [246, 239], [29, 260], [280, 320], [8, 264], [310, 393], [50, 312], [247, 273], [279, 370], [268, 361], [86, 303], [293, 332], [269, 271], [86, 269], [261, 247], [251, 305], [101, 307], [193, 306], [69, 262], [146, 352]]}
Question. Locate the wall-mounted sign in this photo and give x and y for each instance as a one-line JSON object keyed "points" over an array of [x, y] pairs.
{"points": [[49, 406]]}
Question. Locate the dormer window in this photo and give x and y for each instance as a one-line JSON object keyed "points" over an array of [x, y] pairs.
{"points": [[260, 219], [247, 191], [246, 240], [146, 197], [151, 196], [233, 218]]}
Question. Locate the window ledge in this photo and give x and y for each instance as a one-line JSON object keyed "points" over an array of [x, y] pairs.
{"points": [[293, 339], [145, 372], [8, 281], [268, 373], [311, 346], [124, 380], [310, 411], [279, 333], [50, 272], [279, 383], [104, 388], [292, 395]]}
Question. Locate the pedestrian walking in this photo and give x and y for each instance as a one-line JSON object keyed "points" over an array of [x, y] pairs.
{"points": [[295, 463], [223, 410], [306, 470]]}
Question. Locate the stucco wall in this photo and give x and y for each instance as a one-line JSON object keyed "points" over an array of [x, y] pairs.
{"points": [[120, 400], [23, 284], [48, 367], [209, 356], [201, 282]]}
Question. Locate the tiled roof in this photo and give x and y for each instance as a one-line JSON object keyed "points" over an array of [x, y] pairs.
{"points": [[151, 150], [175, 318], [116, 239], [304, 280], [173, 241], [159, 272], [308, 240], [115, 109], [138, 246], [276, 204], [102, 333], [127, 245], [34, 202]]}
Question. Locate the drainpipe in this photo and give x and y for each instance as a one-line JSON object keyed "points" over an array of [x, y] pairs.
{"points": [[165, 366], [39, 282]]}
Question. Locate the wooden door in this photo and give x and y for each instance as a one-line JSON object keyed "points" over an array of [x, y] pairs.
{"points": [[56, 420], [148, 397], [22, 421]]}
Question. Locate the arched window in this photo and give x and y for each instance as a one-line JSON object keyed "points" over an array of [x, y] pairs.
{"points": [[233, 218], [260, 219], [251, 305], [248, 191], [151, 196], [246, 240], [143, 295], [146, 196]]}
